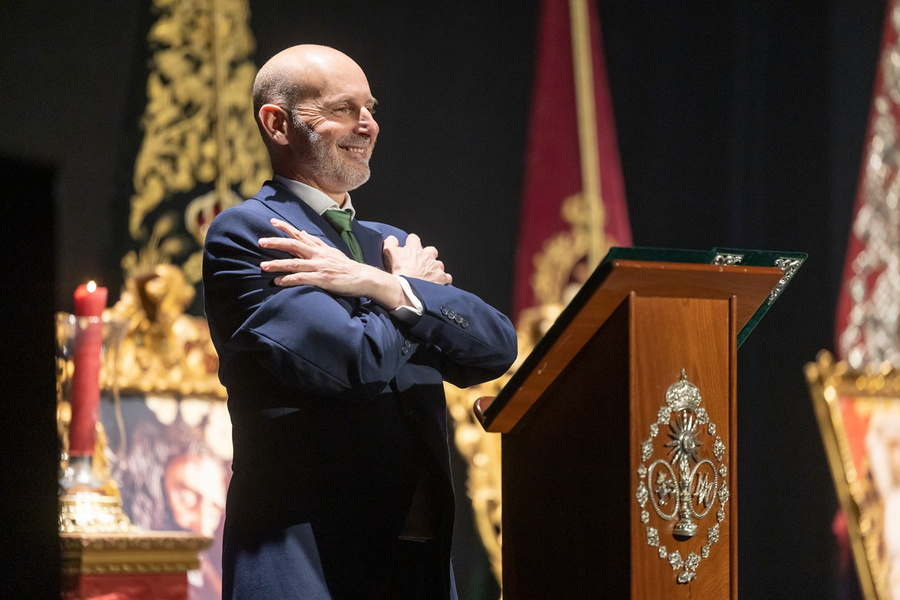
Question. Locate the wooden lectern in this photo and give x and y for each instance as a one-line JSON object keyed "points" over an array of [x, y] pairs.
{"points": [[619, 446]]}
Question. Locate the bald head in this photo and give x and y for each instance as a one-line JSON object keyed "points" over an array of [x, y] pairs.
{"points": [[299, 73], [314, 110]]}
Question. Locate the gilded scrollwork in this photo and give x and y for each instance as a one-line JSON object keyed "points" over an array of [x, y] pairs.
{"points": [[482, 449], [164, 350], [130, 552], [562, 265], [198, 129]]}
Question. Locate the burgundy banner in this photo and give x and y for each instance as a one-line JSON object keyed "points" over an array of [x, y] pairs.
{"points": [[553, 163]]}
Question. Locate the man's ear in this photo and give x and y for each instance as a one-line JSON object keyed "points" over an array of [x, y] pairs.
{"points": [[274, 121]]}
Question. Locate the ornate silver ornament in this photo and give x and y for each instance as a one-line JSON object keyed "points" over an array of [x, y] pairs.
{"points": [[728, 259], [789, 267], [682, 485]]}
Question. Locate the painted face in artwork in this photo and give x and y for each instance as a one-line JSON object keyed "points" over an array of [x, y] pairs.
{"points": [[195, 489]]}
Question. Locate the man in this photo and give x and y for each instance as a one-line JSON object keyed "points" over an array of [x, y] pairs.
{"points": [[334, 367]]}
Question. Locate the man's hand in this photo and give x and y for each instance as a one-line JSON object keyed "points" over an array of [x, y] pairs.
{"points": [[412, 260], [318, 264]]}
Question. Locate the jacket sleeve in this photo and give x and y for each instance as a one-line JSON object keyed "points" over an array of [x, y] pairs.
{"points": [[305, 337], [476, 342]]}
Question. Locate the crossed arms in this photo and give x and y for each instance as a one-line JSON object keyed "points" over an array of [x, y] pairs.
{"points": [[316, 263], [321, 322]]}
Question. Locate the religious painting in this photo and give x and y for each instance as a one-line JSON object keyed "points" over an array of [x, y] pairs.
{"points": [[859, 418], [171, 459]]}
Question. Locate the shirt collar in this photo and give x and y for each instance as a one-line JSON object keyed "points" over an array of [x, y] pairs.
{"points": [[317, 200]]}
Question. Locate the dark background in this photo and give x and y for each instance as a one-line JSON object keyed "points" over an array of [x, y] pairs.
{"points": [[740, 124]]}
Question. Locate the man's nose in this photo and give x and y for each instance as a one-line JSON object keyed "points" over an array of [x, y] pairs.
{"points": [[366, 124]]}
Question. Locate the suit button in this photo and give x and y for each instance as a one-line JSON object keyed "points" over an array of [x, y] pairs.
{"points": [[458, 319], [404, 350], [444, 310], [413, 415], [451, 314], [464, 324]]}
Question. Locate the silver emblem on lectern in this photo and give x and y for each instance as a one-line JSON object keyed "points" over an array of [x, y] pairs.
{"points": [[682, 486]]}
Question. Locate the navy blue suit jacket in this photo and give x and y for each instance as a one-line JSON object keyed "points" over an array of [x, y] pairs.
{"points": [[337, 407]]}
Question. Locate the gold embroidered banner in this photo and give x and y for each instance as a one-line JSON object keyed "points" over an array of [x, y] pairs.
{"points": [[201, 151]]}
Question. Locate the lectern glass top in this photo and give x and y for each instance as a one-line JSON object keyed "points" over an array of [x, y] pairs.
{"points": [[788, 262], [753, 278]]}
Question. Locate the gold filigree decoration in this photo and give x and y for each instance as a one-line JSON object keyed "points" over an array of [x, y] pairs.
{"points": [[198, 125], [482, 449], [164, 350], [92, 512], [561, 267], [158, 250], [131, 552]]}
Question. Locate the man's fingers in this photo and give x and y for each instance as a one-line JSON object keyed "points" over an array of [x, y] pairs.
{"points": [[287, 265], [286, 227], [295, 233], [312, 240], [302, 244], [290, 229], [293, 280], [391, 242], [413, 240], [297, 247]]}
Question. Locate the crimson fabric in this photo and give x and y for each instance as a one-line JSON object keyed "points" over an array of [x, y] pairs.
{"points": [[552, 164], [855, 244]]}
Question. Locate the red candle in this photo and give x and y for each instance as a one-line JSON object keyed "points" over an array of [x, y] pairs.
{"points": [[90, 301]]}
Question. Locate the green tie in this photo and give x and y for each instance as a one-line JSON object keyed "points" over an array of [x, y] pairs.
{"points": [[340, 220]]}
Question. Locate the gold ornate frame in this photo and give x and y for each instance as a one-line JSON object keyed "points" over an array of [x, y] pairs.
{"points": [[858, 412]]}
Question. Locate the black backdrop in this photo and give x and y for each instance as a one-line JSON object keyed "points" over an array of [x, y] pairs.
{"points": [[740, 124]]}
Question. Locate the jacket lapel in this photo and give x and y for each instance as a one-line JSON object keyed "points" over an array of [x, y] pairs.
{"points": [[371, 244], [291, 209], [295, 211]]}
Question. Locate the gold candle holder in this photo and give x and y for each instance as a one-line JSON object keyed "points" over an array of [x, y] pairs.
{"points": [[89, 501]]}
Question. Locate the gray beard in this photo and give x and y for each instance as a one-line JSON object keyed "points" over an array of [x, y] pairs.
{"points": [[323, 161]]}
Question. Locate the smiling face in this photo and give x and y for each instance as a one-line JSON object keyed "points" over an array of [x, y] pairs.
{"points": [[335, 160], [327, 138]]}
